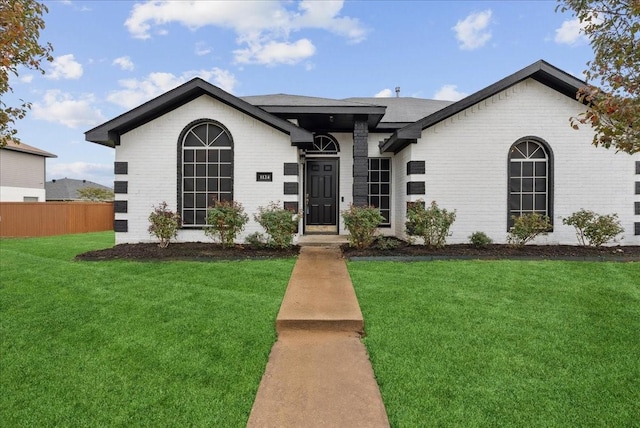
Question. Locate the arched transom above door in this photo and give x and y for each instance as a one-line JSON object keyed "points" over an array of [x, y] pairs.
{"points": [[324, 144]]}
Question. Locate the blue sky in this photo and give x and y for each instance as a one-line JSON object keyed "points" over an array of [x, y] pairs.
{"points": [[111, 56]]}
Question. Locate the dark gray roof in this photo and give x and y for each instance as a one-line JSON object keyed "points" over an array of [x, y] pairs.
{"points": [[25, 148], [404, 109], [108, 134], [384, 113], [286, 100], [541, 71], [66, 189], [319, 114]]}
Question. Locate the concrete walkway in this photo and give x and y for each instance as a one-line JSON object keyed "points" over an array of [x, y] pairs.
{"points": [[319, 374]]}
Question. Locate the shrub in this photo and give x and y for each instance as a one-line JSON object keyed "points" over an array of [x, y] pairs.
{"points": [[526, 227], [225, 221], [593, 229], [362, 223], [480, 240], [431, 224], [164, 224], [385, 243], [279, 223], [256, 239]]}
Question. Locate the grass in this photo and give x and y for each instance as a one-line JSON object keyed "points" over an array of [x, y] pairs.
{"points": [[131, 344], [504, 343]]}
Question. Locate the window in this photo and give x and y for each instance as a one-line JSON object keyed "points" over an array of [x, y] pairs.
{"points": [[379, 182], [206, 170], [324, 144], [530, 176]]}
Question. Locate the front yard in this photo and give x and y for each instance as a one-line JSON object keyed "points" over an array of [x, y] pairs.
{"points": [[122, 343], [504, 343], [179, 343]]}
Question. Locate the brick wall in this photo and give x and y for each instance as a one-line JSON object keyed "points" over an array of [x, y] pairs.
{"points": [[151, 155], [466, 164]]}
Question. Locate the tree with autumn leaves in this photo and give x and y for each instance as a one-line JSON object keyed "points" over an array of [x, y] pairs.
{"points": [[613, 76], [20, 25]]}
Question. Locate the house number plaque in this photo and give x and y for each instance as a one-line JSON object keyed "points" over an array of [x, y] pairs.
{"points": [[264, 176]]}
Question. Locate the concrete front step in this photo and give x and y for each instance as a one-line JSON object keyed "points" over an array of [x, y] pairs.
{"points": [[320, 295], [322, 240]]}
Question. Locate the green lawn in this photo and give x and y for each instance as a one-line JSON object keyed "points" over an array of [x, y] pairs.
{"points": [[504, 343], [131, 344]]}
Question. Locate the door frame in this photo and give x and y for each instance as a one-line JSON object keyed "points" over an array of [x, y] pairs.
{"points": [[321, 230]]}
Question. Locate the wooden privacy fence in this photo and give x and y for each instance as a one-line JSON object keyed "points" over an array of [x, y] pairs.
{"points": [[22, 219]]}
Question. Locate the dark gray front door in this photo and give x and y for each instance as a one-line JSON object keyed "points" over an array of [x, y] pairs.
{"points": [[321, 196]]}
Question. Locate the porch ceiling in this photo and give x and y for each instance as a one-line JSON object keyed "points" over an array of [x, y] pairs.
{"points": [[324, 122]]}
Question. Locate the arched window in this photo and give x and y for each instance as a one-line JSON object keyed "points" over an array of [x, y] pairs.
{"points": [[206, 170], [324, 144], [530, 179]]}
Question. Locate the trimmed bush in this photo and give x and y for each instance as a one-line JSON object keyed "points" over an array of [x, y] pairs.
{"points": [[279, 223], [386, 243], [225, 221], [526, 227], [593, 229], [164, 224], [431, 224], [256, 239], [362, 223], [480, 240]]}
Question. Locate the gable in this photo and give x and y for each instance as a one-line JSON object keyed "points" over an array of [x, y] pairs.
{"points": [[541, 71], [109, 133]]}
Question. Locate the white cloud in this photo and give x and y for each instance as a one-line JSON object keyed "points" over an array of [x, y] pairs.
{"points": [[202, 49], [385, 93], [570, 32], [223, 79], [262, 27], [472, 32], [449, 93], [64, 67], [59, 107], [96, 172], [135, 92], [124, 62], [324, 15], [273, 53], [27, 78]]}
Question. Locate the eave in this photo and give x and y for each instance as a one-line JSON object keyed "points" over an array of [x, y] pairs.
{"points": [[540, 71], [108, 134]]}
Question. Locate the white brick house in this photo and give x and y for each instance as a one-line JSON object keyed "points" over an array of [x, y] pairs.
{"points": [[507, 149]]}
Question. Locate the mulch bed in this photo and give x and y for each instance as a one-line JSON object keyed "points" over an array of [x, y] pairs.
{"points": [[498, 251], [212, 251], [186, 251]]}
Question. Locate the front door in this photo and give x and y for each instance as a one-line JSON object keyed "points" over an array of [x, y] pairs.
{"points": [[321, 196]]}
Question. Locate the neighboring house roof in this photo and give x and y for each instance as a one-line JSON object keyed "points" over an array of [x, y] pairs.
{"points": [[541, 71], [66, 189], [108, 134], [25, 148]]}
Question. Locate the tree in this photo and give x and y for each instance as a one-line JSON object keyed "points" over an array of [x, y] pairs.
{"points": [[95, 194], [20, 25], [613, 29]]}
